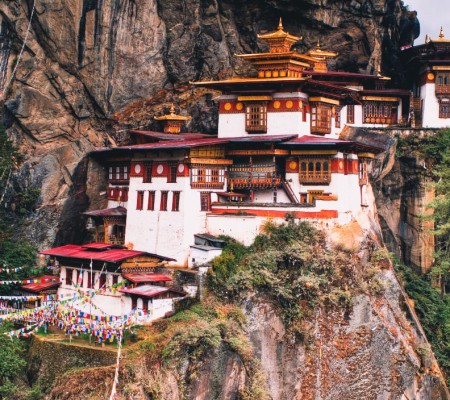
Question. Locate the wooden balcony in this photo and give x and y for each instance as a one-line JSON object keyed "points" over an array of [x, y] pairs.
{"points": [[207, 185], [255, 182], [442, 89], [318, 130], [310, 178]]}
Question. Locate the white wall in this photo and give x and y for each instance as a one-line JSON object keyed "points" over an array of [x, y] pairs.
{"points": [[430, 111]]}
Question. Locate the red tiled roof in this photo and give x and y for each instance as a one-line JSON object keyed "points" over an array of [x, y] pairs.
{"points": [[305, 139], [108, 212], [174, 144], [110, 254], [261, 138], [143, 278], [101, 246], [49, 282], [150, 291], [322, 141]]}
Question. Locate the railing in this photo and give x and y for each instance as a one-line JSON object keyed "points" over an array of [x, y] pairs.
{"points": [[207, 185], [115, 240], [322, 178], [254, 182], [320, 130], [442, 89]]}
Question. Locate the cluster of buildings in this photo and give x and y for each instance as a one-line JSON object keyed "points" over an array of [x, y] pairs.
{"points": [[278, 153]]}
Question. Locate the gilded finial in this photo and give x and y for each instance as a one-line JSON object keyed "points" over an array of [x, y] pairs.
{"points": [[441, 33], [280, 25], [172, 109], [318, 44]]}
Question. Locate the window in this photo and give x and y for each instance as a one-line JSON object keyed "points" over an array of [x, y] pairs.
{"points": [[176, 201], [118, 173], [444, 109], [256, 118], [443, 83], [337, 117], [363, 178], [303, 198], [350, 114], [320, 119], [205, 201], [163, 203], [207, 177], [151, 201], [90, 280], [315, 171], [379, 112], [147, 173], [102, 281], [140, 200], [69, 272], [115, 279], [172, 177]]}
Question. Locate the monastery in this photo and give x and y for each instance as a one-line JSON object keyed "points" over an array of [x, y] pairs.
{"points": [[278, 154]]}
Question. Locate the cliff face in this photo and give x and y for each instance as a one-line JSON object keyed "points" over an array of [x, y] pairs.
{"points": [[87, 60]]}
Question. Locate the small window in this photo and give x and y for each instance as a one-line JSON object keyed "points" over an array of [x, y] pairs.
{"points": [[320, 119], [205, 201], [151, 201], [172, 177], [176, 201], [337, 117], [215, 175], [303, 198], [69, 272], [140, 200], [315, 171], [163, 203], [102, 281], [350, 114], [147, 173], [444, 109], [256, 118]]}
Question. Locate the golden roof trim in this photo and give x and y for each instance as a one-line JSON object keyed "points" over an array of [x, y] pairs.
{"points": [[254, 98], [279, 34], [172, 116], [380, 98], [319, 53], [252, 80], [324, 100], [440, 68]]}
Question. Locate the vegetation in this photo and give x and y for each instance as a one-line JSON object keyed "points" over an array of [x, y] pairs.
{"points": [[291, 266], [14, 251]]}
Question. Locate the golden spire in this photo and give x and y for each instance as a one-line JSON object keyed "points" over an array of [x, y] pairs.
{"points": [[172, 110], [280, 25], [172, 122], [441, 33]]}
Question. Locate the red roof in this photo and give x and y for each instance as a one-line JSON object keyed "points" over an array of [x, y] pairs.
{"points": [[151, 291], [144, 278], [317, 140], [261, 138], [49, 282], [174, 144], [108, 254], [108, 212]]}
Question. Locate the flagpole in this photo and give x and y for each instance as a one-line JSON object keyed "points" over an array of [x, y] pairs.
{"points": [[90, 309]]}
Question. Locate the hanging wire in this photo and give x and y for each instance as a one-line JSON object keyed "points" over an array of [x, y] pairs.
{"points": [[21, 51]]}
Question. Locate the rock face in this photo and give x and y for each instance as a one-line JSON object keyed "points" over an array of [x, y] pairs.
{"points": [[86, 60]]}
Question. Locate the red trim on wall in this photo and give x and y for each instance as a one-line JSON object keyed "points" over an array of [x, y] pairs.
{"points": [[323, 214], [337, 166], [185, 171], [162, 173], [292, 165], [137, 169]]}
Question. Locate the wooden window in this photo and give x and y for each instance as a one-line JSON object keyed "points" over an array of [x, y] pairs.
{"points": [[118, 173], [207, 177], [320, 118], [379, 112], [151, 201], [115, 279], [205, 201], [69, 272], [90, 281], [315, 171], [350, 114], [163, 203], [256, 118], [215, 175], [147, 173], [303, 198], [172, 176], [140, 200], [337, 117], [134, 303], [363, 177], [444, 109], [175, 201], [443, 83]]}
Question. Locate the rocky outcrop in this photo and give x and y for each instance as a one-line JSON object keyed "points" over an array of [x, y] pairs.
{"points": [[85, 62]]}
